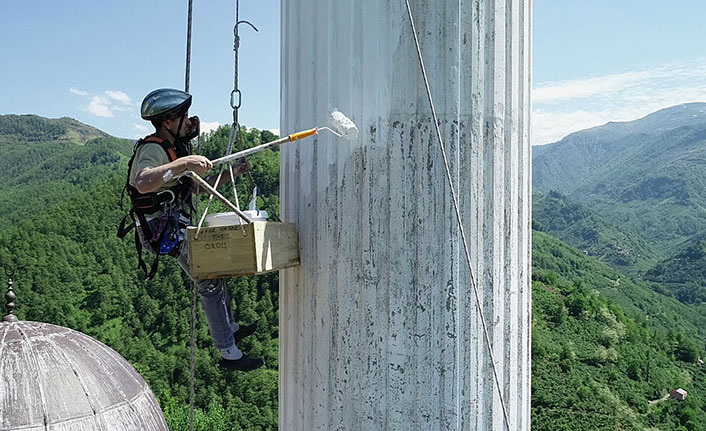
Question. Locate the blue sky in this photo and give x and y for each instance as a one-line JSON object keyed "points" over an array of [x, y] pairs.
{"points": [[96, 60], [600, 60], [594, 61]]}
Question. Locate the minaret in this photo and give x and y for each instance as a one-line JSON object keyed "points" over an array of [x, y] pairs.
{"points": [[10, 298], [379, 326]]}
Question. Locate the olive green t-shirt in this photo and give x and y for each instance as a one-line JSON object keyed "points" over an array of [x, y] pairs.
{"points": [[149, 155]]}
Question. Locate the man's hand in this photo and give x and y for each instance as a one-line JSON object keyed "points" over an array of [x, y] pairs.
{"points": [[198, 164]]}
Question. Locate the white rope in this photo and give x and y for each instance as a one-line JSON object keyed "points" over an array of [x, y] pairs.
{"points": [[458, 216]]}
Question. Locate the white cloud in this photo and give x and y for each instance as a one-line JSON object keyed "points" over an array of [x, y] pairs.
{"points": [[274, 131], [565, 107], [209, 126], [100, 107], [118, 96], [79, 92], [105, 105], [141, 128]]}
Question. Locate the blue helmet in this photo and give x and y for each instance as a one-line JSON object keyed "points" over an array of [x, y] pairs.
{"points": [[165, 104]]}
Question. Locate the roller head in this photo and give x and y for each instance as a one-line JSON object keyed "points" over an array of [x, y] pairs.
{"points": [[343, 125]]}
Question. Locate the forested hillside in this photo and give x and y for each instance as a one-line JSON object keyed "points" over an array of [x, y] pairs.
{"points": [[684, 274], [637, 194], [58, 230], [43, 161], [604, 345], [606, 349], [591, 232], [648, 175]]}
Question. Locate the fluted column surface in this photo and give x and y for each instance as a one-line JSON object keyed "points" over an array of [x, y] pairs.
{"points": [[379, 328]]}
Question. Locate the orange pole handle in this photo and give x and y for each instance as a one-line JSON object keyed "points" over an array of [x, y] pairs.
{"points": [[301, 135]]}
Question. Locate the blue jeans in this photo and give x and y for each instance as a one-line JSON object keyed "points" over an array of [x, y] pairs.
{"points": [[215, 299]]}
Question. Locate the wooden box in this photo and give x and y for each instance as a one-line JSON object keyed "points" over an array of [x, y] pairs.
{"points": [[225, 251]]}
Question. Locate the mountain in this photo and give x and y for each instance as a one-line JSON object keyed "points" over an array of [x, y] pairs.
{"points": [[591, 232], [33, 128], [684, 273], [46, 160], [568, 164], [646, 176]]}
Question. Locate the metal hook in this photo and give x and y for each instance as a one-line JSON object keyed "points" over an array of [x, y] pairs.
{"points": [[245, 22], [236, 42]]}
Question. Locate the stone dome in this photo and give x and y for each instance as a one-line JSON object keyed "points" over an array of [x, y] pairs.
{"points": [[55, 378]]}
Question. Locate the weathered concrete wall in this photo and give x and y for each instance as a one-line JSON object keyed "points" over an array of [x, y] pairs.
{"points": [[379, 328]]}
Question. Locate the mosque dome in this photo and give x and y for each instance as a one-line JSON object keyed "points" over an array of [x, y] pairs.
{"points": [[55, 378]]}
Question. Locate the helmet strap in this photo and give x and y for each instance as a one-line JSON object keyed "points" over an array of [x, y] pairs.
{"points": [[180, 143]]}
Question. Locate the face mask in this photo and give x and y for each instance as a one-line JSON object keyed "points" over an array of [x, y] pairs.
{"points": [[193, 128], [183, 144]]}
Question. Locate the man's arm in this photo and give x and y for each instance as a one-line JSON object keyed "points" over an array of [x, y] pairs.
{"points": [[151, 179]]}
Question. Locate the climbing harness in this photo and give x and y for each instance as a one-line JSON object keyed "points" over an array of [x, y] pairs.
{"points": [[460, 224], [163, 233]]}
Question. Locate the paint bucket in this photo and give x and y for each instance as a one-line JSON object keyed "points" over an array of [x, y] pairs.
{"points": [[232, 219]]}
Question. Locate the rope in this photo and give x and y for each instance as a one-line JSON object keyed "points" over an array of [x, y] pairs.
{"points": [[193, 355], [235, 134], [458, 216], [192, 341], [188, 47]]}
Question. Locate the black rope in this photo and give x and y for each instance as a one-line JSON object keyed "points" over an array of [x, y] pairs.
{"points": [[192, 341], [188, 47]]}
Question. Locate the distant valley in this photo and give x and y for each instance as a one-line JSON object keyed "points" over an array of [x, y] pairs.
{"points": [[636, 192]]}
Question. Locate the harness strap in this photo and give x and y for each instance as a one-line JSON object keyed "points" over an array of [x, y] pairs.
{"points": [[148, 203]]}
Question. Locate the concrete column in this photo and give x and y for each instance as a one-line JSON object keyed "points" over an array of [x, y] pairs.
{"points": [[379, 328]]}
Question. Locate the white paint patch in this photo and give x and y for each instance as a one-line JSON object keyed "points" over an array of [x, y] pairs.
{"points": [[168, 175]]}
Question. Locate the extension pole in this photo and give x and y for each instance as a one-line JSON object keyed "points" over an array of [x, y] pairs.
{"points": [[215, 193], [240, 154]]}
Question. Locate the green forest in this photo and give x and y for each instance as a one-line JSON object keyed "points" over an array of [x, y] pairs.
{"points": [[72, 270], [607, 347]]}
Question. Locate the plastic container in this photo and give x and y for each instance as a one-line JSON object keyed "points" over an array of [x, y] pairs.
{"points": [[232, 219]]}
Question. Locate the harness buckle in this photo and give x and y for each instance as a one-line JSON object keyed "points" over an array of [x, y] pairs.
{"points": [[171, 193]]}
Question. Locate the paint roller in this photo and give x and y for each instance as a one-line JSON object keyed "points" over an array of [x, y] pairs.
{"points": [[344, 128]]}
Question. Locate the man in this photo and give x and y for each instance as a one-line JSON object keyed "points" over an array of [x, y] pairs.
{"points": [[159, 203]]}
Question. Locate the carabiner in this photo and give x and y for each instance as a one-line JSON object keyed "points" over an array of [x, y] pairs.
{"points": [[232, 99], [171, 193]]}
